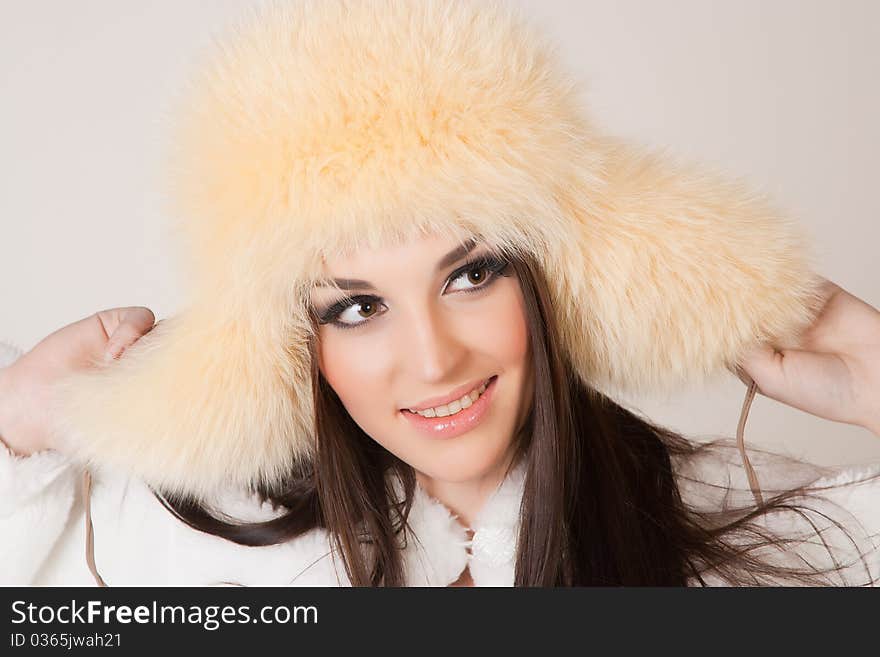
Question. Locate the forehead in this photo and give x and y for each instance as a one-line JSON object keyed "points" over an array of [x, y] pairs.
{"points": [[424, 252]]}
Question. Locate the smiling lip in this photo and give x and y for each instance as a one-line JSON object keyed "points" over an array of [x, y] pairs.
{"points": [[459, 423], [458, 393]]}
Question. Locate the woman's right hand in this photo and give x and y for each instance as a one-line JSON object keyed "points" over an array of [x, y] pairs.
{"points": [[26, 383]]}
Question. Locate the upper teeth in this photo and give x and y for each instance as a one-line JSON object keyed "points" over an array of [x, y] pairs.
{"points": [[452, 407]]}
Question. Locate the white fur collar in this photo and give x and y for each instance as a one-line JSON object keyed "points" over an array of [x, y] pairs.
{"points": [[441, 549]]}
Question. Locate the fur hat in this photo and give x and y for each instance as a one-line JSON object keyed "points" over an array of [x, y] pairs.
{"points": [[316, 127]]}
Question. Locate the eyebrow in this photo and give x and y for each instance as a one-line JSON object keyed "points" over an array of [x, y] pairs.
{"points": [[450, 258]]}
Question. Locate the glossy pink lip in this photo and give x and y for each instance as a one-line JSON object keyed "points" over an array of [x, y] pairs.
{"points": [[458, 393], [455, 425]]}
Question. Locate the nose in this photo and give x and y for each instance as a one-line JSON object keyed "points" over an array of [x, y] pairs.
{"points": [[431, 346]]}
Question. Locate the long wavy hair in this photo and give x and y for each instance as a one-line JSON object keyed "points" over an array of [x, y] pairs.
{"points": [[602, 502]]}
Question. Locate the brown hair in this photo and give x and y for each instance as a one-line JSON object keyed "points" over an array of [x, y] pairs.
{"points": [[602, 502]]}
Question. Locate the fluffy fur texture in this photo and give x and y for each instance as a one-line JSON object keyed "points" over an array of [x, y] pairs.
{"points": [[316, 127]]}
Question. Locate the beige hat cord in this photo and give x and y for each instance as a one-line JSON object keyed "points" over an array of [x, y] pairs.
{"points": [[90, 542], [740, 442]]}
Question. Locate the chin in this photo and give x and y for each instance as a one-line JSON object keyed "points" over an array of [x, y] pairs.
{"points": [[463, 466]]}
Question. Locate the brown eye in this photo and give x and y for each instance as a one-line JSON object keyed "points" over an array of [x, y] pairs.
{"points": [[351, 313], [366, 307], [477, 275]]}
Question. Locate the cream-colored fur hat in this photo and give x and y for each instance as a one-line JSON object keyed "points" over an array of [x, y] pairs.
{"points": [[316, 127]]}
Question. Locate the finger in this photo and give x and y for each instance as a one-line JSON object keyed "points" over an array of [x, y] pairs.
{"points": [[801, 379], [763, 365], [111, 319], [758, 365], [131, 324]]}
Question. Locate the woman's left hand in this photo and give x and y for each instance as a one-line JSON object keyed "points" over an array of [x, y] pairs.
{"points": [[836, 373]]}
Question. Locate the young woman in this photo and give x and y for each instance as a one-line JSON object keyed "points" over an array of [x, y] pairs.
{"points": [[417, 272]]}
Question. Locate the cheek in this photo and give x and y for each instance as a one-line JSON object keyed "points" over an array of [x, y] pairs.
{"points": [[346, 365], [497, 330]]}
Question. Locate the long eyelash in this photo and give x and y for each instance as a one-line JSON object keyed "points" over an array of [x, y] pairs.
{"points": [[490, 262], [330, 315], [495, 265]]}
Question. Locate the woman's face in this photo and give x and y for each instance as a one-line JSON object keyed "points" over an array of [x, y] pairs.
{"points": [[419, 324]]}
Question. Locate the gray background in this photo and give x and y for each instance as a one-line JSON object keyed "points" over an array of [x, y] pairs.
{"points": [[782, 93]]}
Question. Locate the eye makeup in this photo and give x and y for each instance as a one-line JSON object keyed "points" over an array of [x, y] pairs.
{"points": [[487, 262]]}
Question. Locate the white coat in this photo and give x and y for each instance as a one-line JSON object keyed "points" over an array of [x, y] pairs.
{"points": [[138, 542]]}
